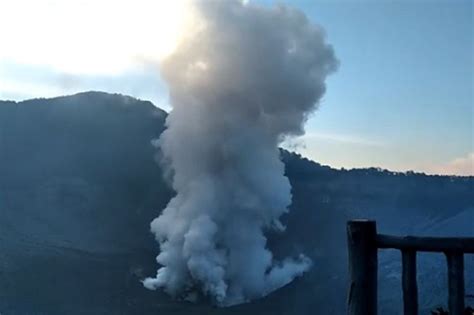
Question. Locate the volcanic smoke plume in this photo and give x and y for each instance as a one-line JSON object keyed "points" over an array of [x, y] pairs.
{"points": [[241, 83]]}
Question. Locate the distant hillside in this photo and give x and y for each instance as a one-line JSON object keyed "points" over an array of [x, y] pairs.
{"points": [[79, 185]]}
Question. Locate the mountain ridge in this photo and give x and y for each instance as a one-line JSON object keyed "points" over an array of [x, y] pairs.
{"points": [[80, 184], [118, 97]]}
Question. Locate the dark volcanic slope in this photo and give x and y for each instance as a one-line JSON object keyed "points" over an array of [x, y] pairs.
{"points": [[79, 186]]}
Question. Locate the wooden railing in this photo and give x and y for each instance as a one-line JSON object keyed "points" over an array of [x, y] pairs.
{"points": [[363, 244]]}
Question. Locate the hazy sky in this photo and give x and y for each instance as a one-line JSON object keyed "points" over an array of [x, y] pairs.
{"points": [[402, 98]]}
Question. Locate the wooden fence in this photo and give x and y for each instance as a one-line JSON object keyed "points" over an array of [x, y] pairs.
{"points": [[363, 244]]}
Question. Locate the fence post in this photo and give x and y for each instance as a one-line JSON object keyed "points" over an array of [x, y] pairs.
{"points": [[455, 283], [410, 290], [362, 247]]}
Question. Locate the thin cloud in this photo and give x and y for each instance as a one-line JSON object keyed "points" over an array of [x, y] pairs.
{"points": [[21, 81], [462, 166], [342, 138]]}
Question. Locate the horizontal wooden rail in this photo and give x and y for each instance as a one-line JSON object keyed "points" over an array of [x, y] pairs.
{"points": [[363, 243], [427, 244]]}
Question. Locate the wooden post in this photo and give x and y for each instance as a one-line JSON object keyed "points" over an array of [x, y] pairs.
{"points": [[410, 290], [455, 282], [361, 242]]}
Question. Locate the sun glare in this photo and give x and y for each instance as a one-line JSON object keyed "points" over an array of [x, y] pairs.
{"points": [[90, 37]]}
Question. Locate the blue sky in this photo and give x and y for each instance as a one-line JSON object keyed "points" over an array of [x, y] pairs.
{"points": [[402, 98]]}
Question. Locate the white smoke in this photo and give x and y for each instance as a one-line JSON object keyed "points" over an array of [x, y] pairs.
{"points": [[247, 78]]}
